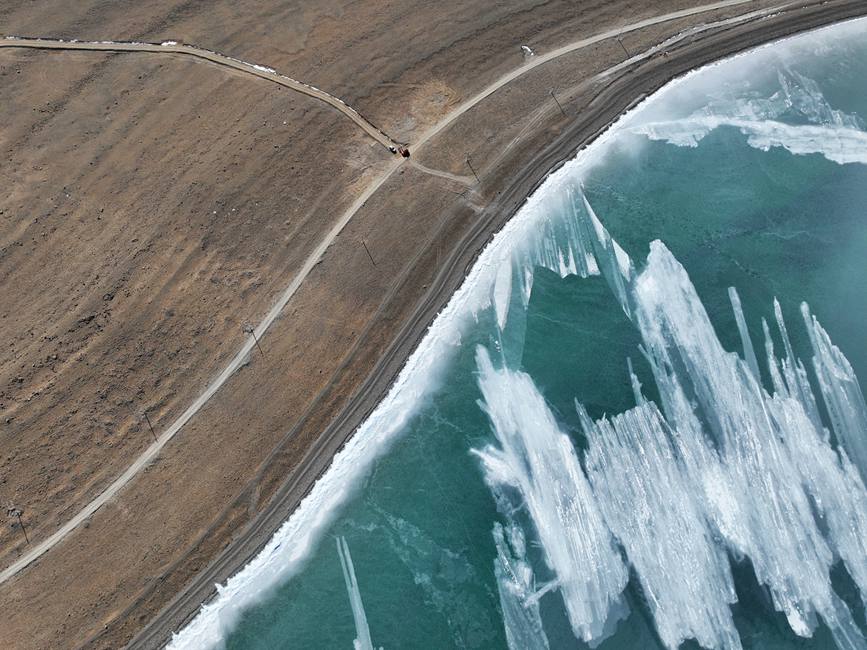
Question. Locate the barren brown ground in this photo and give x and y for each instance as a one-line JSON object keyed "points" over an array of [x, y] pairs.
{"points": [[151, 205]]}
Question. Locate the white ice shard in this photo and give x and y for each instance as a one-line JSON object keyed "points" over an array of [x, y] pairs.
{"points": [[521, 617], [797, 117], [538, 460], [502, 292], [658, 517], [723, 431], [762, 441], [840, 391], [746, 342], [362, 630], [611, 260]]}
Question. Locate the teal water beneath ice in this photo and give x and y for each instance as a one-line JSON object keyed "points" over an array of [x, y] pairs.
{"points": [[477, 525]]}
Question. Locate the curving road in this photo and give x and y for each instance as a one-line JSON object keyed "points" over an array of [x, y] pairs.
{"points": [[537, 60], [240, 358], [173, 47]]}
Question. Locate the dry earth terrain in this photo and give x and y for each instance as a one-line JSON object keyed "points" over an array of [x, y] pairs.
{"points": [[151, 205]]}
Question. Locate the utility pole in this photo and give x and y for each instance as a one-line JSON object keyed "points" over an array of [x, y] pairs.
{"points": [[625, 51], [368, 253], [150, 426], [248, 329], [17, 512], [138, 416], [554, 97], [470, 165]]}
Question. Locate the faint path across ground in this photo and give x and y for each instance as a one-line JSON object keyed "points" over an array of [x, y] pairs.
{"points": [[316, 255], [466, 181]]}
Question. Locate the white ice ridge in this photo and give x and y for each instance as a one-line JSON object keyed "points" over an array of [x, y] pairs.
{"points": [[515, 584], [796, 117], [550, 236], [727, 432], [836, 143], [655, 513], [539, 461], [362, 630], [841, 392]]}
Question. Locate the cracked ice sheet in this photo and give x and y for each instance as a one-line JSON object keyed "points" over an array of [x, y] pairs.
{"points": [[728, 431], [796, 117]]}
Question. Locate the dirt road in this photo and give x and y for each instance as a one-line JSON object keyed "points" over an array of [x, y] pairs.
{"points": [[171, 47]]}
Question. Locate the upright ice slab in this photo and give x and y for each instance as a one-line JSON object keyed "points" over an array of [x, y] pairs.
{"points": [[521, 617], [657, 515], [729, 433], [538, 460], [840, 391], [362, 631]]}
